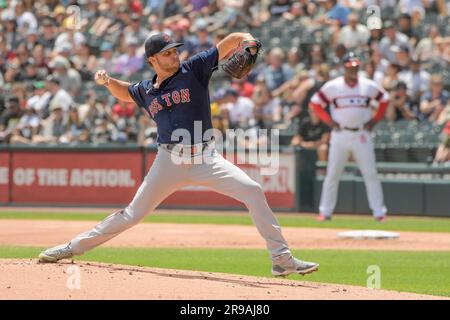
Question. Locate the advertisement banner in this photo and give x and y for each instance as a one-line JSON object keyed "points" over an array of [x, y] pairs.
{"points": [[4, 176], [109, 178]]}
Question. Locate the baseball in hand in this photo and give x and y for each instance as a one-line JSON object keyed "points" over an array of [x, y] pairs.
{"points": [[101, 77]]}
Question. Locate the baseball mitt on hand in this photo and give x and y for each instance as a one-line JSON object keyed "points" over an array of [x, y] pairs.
{"points": [[243, 59]]}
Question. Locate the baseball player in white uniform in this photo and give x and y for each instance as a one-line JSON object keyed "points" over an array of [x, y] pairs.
{"points": [[349, 99], [176, 98]]}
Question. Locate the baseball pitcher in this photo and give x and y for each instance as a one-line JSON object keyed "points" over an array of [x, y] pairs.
{"points": [[175, 98]]}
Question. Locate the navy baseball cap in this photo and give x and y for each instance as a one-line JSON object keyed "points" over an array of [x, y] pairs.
{"points": [[159, 42]]}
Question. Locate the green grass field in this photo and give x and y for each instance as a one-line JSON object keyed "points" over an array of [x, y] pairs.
{"points": [[421, 224], [420, 272]]}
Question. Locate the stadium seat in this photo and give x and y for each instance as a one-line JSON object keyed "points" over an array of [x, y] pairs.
{"points": [[396, 153], [420, 153], [379, 153]]}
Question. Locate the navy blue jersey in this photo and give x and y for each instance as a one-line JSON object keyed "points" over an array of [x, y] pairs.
{"points": [[181, 99]]}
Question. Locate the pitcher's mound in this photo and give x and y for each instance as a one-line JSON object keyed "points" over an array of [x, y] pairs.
{"points": [[28, 279]]}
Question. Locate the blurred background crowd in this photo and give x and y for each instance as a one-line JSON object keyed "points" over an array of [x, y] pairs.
{"points": [[49, 53]]}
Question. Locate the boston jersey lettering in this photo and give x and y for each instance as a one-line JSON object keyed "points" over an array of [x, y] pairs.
{"points": [[181, 99]]}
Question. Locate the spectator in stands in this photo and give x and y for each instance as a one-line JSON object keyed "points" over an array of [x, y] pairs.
{"points": [[246, 14], [305, 90], [238, 110], [130, 62], [198, 5], [243, 86], [40, 100], [106, 57], [123, 109], [402, 56], [444, 117], [391, 77], [202, 40], [25, 19], [94, 108], [181, 35], [376, 33], [405, 26], [27, 127], [400, 105], [60, 97], [53, 127], [11, 33], [411, 6], [368, 71], [69, 78], [435, 99], [70, 36], [443, 151], [294, 60], [4, 54], [392, 38], [103, 131], [416, 79], [16, 67], [354, 35], [277, 72], [381, 64], [31, 39], [336, 13], [39, 57], [440, 58], [267, 110], [313, 134], [48, 34], [170, 8], [76, 130], [279, 7], [135, 29], [84, 61], [10, 118], [426, 46]]}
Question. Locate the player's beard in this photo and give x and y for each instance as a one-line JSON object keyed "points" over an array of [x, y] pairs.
{"points": [[170, 68]]}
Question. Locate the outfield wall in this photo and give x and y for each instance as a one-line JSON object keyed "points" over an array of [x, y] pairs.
{"points": [[110, 176], [409, 189]]}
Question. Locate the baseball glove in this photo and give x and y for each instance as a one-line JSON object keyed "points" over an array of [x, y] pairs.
{"points": [[242, 60]]}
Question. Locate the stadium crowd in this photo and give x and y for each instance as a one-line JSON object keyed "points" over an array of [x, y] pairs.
{"points": [[48, 55]]}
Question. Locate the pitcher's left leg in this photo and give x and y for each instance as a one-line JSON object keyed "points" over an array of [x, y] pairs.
{"points": [[224, 177], [230, 180]]}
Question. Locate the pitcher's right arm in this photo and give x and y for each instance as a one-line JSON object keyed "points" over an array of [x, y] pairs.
{"points": [[118, 88]]}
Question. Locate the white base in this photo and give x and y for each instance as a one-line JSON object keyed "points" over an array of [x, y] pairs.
{"points": [[368, 234]]}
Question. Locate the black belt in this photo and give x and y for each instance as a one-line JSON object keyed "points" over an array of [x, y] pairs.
{"points": [[190, 150], [351, 129]]}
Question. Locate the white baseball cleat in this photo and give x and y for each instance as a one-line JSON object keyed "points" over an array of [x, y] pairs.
{"points": [[57, 253], [283, 266]]}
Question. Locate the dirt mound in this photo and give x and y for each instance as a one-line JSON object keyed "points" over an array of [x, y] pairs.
{"points": [[51, 232], [28, 279]]}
